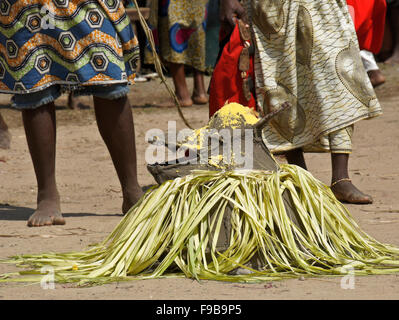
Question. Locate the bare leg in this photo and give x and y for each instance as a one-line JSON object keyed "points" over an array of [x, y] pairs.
{"points": [[376, 77], [5, 137], [199, 93], [394, 22], [181, 89], [387, 43], [179, 80], [40, 129], [341, 185], [72, 102], [296, 157], [115, 123]]}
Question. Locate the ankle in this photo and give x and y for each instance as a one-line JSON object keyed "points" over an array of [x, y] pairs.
{"points": [[339, 175], [49, 194], [335, 182], [131, 190], [48, 200], [199, 93], [182, 94], [130, 198]]}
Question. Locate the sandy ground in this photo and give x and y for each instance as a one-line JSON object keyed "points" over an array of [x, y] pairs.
{"points": [[91, 201]]}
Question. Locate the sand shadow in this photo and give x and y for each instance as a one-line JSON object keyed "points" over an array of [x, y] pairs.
{"points": [[15, 213], [86, 214]]}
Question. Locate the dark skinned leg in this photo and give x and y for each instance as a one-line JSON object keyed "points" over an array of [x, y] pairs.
{"points": [[115, 123], [179, 80], [344, 190], [40, 129], [394, 22], [199, 92], [5, 137], [387, 43], [341, 186], [376, 77], [296, 157], [72, 101]]}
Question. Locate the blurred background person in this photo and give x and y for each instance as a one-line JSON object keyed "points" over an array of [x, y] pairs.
{"points": [[390, 48], [5, 136]]}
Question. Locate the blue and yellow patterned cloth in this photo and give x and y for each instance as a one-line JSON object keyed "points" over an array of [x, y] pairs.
{"points": [[72, 43]]}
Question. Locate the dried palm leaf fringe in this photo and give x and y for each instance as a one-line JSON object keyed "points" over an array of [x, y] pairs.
{"points": [[173, 232]]}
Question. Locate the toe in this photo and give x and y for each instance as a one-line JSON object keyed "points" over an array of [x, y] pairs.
{"points": [[47, 222], [364, 199], [357, 198], [38, 219], [30, 223], [58, 221], [346, 192]]}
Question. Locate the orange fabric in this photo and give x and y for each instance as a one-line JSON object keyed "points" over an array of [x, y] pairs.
{"points": [[369, 19], [226, 82]]}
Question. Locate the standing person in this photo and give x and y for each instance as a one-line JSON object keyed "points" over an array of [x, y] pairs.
{"points": [[87, 47], [391, 46], [179, 30], [306, 53]]}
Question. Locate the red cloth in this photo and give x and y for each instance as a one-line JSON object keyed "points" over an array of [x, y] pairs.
{"points": [[369, 19], [226, 82]]}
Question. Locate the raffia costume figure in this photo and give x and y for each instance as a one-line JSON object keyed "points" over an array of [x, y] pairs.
{"points": [[217, 220]]}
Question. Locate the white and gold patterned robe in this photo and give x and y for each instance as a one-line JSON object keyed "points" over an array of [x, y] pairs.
{"points": [[307, 53]]}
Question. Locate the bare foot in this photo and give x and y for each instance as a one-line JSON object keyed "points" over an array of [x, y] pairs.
{"points": [[376, 77], [48, 213], [394, 59], [200, 99], [346, 192], [170, 104], [130, 199]]}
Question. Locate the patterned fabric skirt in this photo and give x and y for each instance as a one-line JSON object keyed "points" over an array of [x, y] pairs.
{"points": [[307, 53], [179, 31], [73, 43]]}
